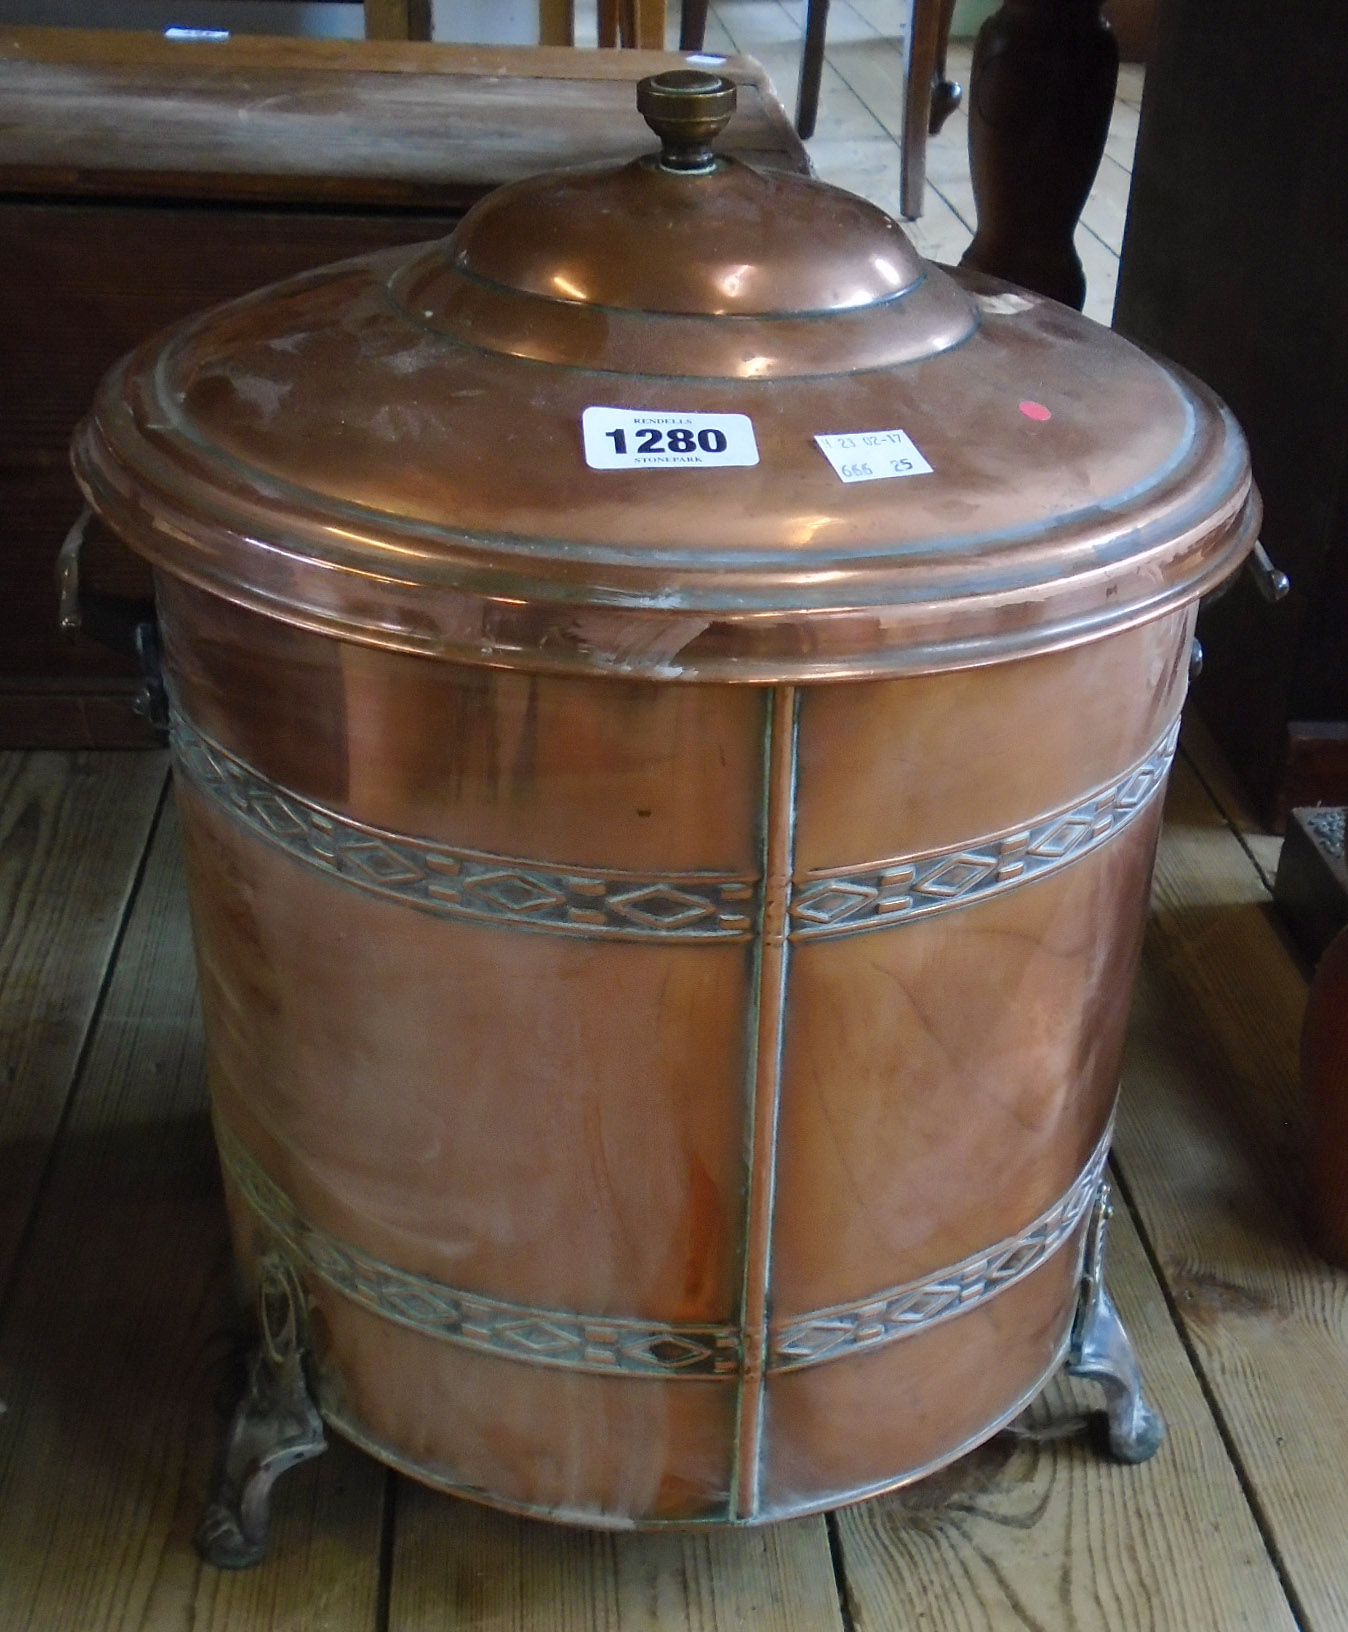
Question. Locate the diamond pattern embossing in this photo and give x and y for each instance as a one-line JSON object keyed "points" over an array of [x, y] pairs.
{"points": [[893, 892], [516, 892], [671, 1353], [538, 1336], [852, 1327], [658, 904], [835, 902], [1061, 840], [379, 863], [957, 876], [496, 890]]}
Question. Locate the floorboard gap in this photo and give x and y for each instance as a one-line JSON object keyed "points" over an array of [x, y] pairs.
{"points": [[387, 1539], [835, 1552], [1192, 761], [1248, 1489]]}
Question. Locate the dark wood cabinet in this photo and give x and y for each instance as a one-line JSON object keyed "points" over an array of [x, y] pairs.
{"points": [[84, 283], [142, 179], [1234, 265]]}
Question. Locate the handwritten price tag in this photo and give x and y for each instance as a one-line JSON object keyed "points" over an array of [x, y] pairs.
{"points": [[872, 456]]}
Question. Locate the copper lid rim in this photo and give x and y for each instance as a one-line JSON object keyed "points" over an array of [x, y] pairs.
{"points": [[754, 670], [218, 494], [630, 639], [718, 586]]}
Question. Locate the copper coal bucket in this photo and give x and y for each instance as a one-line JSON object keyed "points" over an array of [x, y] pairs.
{"points": [[670, 697]]}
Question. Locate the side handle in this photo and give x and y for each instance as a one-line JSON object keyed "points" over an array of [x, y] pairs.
{"points": [[124, 625]]}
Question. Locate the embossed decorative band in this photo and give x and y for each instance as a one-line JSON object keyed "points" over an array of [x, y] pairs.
{"points": [[553, 1337], [704, 906], [470, 884], [848, 1328], [546, 1337], [877, 895]]}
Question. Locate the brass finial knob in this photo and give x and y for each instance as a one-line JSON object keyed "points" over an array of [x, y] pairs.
{"points": [[687, 109]]}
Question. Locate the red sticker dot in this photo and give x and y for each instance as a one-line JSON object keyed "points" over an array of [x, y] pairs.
{"points": [[1035, 410]]}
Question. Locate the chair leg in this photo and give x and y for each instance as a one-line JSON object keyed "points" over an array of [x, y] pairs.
{"points": [[397, 19], [693, 25], [608, 24], [946, 96], [923, 49], [556, 22], [928, 98], [811, 68], [648, 32]]}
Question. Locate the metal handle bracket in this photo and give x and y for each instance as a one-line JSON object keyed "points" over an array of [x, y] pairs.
{"points": [[125, 626]]}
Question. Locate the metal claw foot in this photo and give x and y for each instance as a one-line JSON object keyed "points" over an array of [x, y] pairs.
{"points": [[1101, 1349], [275, 1428]]}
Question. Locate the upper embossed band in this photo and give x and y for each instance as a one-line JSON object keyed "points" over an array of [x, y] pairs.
{"points": [[847, 900], [472, 884], [699, 906]]}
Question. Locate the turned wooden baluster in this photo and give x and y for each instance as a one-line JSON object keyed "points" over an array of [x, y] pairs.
{"points": [[1040, 94]]}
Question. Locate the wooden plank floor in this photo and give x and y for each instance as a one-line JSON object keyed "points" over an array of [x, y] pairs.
{"points": [[119, 1341]]}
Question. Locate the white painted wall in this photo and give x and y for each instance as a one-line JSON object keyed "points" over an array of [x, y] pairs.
{"points": [[490, 22]]}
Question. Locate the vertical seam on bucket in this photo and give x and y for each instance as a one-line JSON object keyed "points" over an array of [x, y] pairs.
{"points": [[765, 1079]]}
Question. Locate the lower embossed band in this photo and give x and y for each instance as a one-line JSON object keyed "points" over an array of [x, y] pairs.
{"points": [[849, 1327], [553, 1337]]}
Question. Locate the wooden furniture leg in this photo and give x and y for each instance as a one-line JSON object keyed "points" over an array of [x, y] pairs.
{"points": [[1324, 1070], [411, 20], [1312, 891], [693, 25], [1040, 94], [929, 98], [648, 25], [811, 67], [638, 23], [397, 19], [556, 22], [946, 96]]}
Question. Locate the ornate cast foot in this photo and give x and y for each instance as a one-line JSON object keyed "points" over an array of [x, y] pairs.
{"points": [[275, 1428], [1102, 1350]]}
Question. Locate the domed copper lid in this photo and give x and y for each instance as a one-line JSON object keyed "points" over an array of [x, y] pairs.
{"points": [[583, 432]]}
